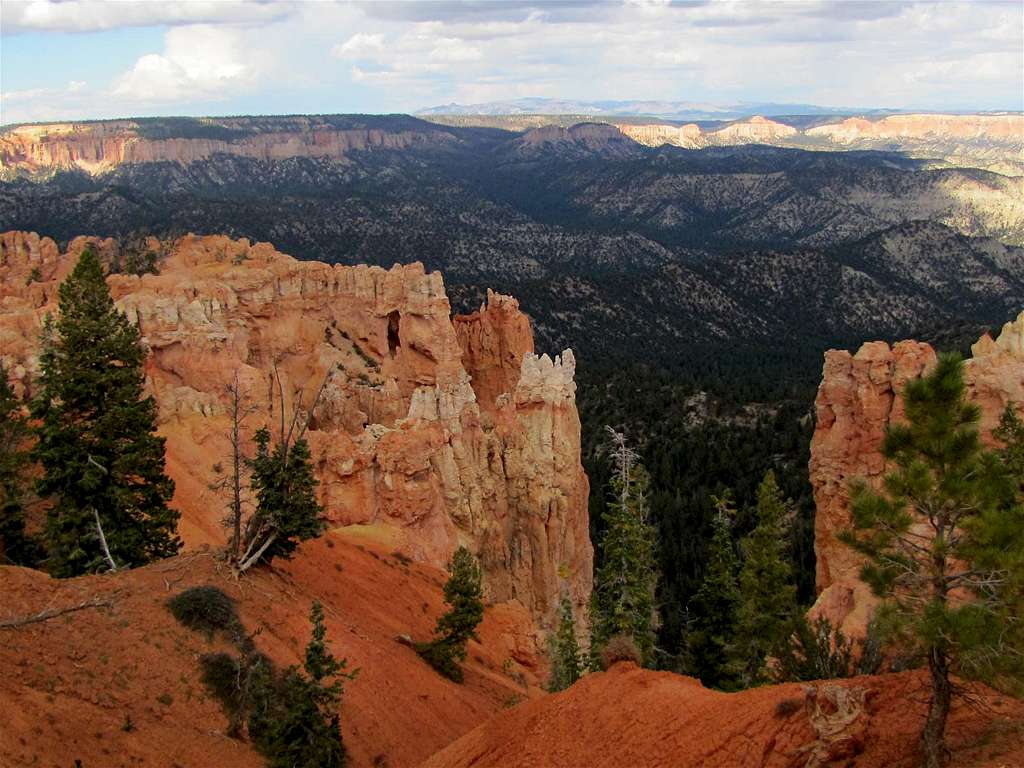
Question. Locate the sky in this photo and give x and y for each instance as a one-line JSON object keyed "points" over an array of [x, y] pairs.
{"points": [[83, 59]]}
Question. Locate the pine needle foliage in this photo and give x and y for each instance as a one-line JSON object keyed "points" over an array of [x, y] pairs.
{"points": [[623, 600], [287, 511], [102, 461], [944, 543], [814, 650], [712, 628], [768, 594], [566, 659], [298, 725], [463, 592], [16, 546]]}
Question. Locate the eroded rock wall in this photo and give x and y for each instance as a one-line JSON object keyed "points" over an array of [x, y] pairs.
{"points": [[859, 396], [428, 434]]}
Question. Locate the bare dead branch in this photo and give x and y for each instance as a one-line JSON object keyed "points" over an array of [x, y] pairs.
{"points": [[52, 613]]}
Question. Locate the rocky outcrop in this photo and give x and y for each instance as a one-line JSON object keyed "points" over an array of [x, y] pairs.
{"points": [[689, 136], [1002, 127], [494, 342], [859, 396], [428, 433], [100, 147], [582, 139], [756, 130]]}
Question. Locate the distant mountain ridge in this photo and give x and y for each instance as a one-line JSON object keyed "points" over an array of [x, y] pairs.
{"points": [[677, 110]]}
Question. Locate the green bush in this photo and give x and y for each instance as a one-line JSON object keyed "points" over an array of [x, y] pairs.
{"points": [[814, 651], [204, 609], [444, 657]]}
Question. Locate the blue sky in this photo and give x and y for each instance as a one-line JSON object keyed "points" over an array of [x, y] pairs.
{"points": [[79, 59]]}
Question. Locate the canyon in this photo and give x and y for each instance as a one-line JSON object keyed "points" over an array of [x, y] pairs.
{"points": [[859, 396], [428, 433], [729, 247], [990, 141]]}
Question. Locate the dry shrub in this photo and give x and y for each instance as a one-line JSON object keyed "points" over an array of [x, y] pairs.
{"points": [[620, 648]]}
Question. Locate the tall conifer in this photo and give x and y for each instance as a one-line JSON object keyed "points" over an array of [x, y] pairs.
{"points": [[944, 542], [623, 600], [16, 546], [566, 661], [464, 593], [768, 596], [713, 608], [103, 464]]}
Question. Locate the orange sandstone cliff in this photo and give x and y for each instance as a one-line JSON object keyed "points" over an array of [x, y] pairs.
{"points": [[429, 433], [859, 395], [102, 146]]}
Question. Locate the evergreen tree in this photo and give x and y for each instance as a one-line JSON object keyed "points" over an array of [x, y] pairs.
{"points": [[103, 464], [949, 520], [566, 661], [1010, 433], [464, 593], [287, 511], [16, 547], [768, 595], [623, 600], [295, 724], [712, 628]]}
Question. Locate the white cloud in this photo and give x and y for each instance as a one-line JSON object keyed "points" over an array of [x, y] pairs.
{"points": [[394, 56], [93, 15], [198, 62], [360, 45]]}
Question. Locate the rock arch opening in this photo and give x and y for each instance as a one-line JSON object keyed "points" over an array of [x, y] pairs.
{"points": [[394, 341]]}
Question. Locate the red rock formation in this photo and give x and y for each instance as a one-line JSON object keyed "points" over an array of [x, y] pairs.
{"points": [[858, 397], [404, 452], [494, 342], [100, 147], [1005, 127]]}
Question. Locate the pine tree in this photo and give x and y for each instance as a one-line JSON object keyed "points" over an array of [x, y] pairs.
{"points": [[16, 546], [948, 523], [464, 593], [566, 661], [768, 595], [103, 464], [713, 608], [623, 600], [287, 511], [284, 485], [295, 724]]}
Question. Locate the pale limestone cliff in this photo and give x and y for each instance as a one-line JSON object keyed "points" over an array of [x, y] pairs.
{"points": [[689, 136], [424, 437], [858, 397]]}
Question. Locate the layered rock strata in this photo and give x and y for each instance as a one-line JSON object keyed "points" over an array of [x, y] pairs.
{"points": [[100, 147], [428, 434], [859, 396]]}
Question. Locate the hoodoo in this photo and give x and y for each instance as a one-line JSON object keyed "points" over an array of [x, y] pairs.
{"points": [[860, 394], [429, 433]]}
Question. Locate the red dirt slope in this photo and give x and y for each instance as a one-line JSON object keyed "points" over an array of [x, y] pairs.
{"points": [[67, 684], [629, 717]]}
